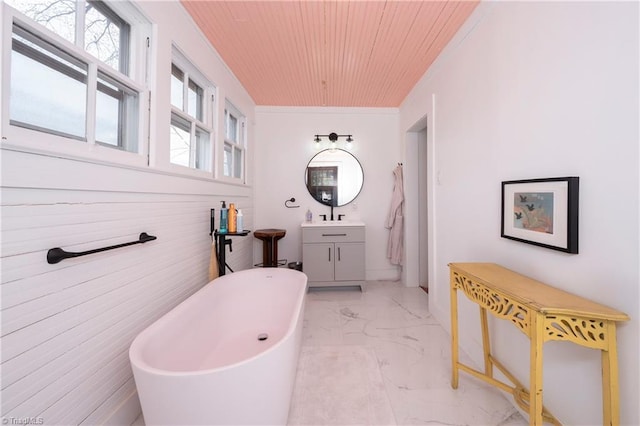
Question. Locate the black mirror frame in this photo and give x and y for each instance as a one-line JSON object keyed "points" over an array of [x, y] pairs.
{"points": [[306, 180]]}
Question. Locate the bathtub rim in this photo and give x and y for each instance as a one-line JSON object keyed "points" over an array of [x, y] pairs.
{"points": [[135, 349]]}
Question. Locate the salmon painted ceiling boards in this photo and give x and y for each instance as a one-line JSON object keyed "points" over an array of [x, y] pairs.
{"points": [[356, 53]]}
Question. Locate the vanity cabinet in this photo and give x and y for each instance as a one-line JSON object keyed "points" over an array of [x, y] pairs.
{"points": [[334, 255]]}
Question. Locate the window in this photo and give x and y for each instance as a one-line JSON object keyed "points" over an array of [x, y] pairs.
{"points": [[191, 116], [82, 92], [234, 136], [90, 25], [43, 76]]}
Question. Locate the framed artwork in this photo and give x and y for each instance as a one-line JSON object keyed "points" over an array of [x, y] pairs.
{"points": [[542, 212]]}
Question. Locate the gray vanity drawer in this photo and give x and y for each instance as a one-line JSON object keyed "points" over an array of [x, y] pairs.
{"points": [[333, 234]]}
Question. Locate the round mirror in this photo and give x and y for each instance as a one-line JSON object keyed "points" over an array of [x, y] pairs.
{"points": [[334, 177]]}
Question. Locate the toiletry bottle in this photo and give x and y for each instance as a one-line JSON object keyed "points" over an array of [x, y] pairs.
{"points": [[232, 218], [309, 216], [223, 218], [239, 222]]}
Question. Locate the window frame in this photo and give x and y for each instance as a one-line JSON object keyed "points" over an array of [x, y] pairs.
{"points": [[191, 74], [23, 138], [240, 144]]}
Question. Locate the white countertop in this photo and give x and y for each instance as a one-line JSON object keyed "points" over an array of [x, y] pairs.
{"points": [[322, 223]]}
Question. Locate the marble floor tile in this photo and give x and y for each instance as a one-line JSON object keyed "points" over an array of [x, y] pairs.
{"points": [[338, 385], [379, 358]]}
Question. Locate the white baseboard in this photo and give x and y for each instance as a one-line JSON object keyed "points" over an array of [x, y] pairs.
{"points": [[387, 274]]}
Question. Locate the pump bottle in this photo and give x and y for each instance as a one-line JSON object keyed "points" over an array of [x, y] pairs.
{"points": [[223, 218], [232, 218]]}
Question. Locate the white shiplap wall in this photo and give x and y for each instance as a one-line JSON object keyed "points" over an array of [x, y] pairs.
{"points": [[66, 328]]}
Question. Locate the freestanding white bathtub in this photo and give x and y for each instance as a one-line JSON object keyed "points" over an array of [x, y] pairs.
{"points": [[207, 361]]}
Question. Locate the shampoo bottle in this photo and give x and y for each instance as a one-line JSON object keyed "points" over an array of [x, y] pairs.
{"points": [[232, 218], [309, 216], [223, 218], [239, 220]]}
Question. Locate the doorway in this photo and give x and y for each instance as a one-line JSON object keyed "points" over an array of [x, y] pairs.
{"points": [[418, 223]]}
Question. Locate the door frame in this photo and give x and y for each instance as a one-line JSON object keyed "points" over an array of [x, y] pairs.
{"points": [[414, 136]]}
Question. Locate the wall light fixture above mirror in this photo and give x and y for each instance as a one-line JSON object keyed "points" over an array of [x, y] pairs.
{"points": [[333, 139]]}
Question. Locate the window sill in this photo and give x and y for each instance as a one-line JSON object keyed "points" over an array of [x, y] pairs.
{"points": [[29, 141], [232, 181], [118, 160], [184, 171]]}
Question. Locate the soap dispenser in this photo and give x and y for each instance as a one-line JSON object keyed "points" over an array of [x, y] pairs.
{"points": [[223, 218]]}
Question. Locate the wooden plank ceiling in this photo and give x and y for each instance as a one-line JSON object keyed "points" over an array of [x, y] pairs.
{"points": [[329, 52]]}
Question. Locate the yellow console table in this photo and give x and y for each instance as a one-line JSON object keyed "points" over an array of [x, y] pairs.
{"points": [[542, 313]]}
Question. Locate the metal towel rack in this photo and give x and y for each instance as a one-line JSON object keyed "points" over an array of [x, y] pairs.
{"points": [[56, 255], [290, 200]]}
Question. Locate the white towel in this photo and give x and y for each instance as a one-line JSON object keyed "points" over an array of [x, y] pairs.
{"points": [[395, 219]]}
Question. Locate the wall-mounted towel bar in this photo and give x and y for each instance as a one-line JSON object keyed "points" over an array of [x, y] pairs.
{"points": [[56, 255], [290, 200]]}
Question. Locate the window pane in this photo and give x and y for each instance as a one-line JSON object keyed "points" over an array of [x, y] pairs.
{"points": [[227, 160], [195, 100], [116, 114], [177, 87], [130, 120], [102, 37], [105, 34], [57, 15], [48, 92], [180, 142], [108, 102], [232, 127], [237, 162], [203, 153]]}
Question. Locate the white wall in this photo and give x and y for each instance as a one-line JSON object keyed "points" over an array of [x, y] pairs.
{"points": [[66, 328], [532, 90], [284, 147]]}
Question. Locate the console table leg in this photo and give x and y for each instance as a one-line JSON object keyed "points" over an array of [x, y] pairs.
{"points": [[610, 404], [535, 373], [454, 336], [486, 344]]}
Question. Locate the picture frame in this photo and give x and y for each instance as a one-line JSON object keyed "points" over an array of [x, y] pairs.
{"points": [[542, 212]]}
